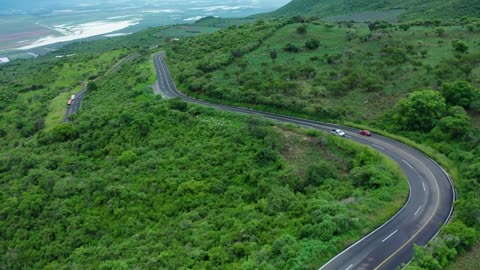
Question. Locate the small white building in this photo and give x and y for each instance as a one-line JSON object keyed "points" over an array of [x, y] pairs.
{"points": [[4, 60]]}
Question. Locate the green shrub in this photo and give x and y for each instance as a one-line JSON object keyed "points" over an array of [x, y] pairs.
{"points": [[127, 158]]}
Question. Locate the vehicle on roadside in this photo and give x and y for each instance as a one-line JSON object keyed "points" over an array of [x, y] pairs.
{"points": [[338, 132], [72, 97], [365, 132], [69, 102]]}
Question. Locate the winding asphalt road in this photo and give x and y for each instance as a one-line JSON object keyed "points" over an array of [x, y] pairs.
{"points": [[428, 208], [76, 103]]}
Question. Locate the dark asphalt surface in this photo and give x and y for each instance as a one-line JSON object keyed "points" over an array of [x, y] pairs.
{"points": [[77, 102], [428, 207]]}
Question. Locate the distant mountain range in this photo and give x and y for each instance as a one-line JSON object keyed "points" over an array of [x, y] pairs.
{"points": [[411, 9]]}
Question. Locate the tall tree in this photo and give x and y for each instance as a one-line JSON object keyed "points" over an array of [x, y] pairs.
{"points": [[460, 46], [420, 110], [91, 86], [302, 29], [460, 93]]}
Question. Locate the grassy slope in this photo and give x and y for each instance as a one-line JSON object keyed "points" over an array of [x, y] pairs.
{"points": [[365, 59], [413, 9]]}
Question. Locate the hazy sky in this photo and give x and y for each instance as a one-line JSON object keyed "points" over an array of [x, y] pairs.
{"points": [[35, 4]]}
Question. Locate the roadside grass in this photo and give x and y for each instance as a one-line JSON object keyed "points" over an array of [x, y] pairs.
{"points": [[152, 69], [468, 260], [57, 109]]}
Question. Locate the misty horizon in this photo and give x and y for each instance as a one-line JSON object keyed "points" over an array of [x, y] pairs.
{"points": [[28, 5]]}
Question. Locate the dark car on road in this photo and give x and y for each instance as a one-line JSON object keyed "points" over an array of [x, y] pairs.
{"points": [[365, 132]]}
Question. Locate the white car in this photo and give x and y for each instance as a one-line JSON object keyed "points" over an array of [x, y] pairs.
{"points": [[338, 132], [72, 97]]}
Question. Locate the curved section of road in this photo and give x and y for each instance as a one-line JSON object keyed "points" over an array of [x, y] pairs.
{"points": [[76, 103], [428, 208]]}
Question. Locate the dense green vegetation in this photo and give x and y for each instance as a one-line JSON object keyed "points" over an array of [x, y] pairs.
{"points": [[408, 9], [353, 72], [27, 87], [33, 93], [418, 80], [135, 181]]}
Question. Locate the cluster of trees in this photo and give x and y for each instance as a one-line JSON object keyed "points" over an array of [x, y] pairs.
{"points": [[442, 113], [134, 181]]}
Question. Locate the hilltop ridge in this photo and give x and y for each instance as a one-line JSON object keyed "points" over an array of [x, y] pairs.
{"points": [[408, 9]]}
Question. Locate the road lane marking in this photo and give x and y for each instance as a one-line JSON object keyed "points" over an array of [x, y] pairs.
{"points": [[389, 236], [378, 146], [348, 268], [423, 184], [165, 75], [437, 203], [408, 164], [418, 210]]}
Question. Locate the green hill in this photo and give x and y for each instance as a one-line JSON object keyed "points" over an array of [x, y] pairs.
{"points": [[417, 80], [135, 181], [408, 9]]}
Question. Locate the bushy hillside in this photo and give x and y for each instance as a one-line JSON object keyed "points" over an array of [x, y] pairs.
{"points": [[133, 181], [418, 80], [321, 70], [412, 9]]}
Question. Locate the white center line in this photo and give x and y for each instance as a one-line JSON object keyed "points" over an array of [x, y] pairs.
{"points": [[389, 236], [348, 268], [378, 146], [423, 184], [411, 167], [418, 210]]}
